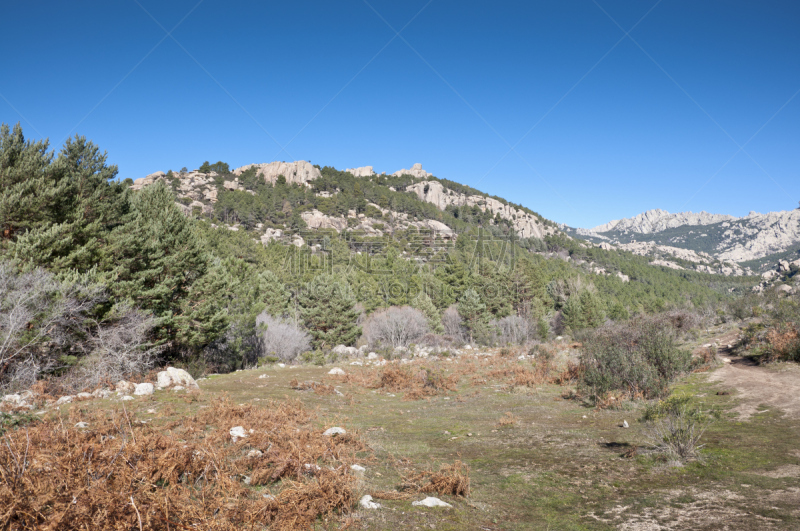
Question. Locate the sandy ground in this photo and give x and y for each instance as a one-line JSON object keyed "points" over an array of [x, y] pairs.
{"points": [[776, 385]]}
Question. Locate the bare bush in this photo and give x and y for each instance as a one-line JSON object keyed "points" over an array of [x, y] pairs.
{"points": [[513, 330], [282, 338], [119, 348], [452, 323], [396, 326], [39, 316]]}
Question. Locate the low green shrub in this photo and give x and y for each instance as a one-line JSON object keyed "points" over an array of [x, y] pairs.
{"points": [[637, 359]]}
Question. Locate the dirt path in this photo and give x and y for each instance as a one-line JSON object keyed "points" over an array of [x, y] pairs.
{"points": [[775, 385]]}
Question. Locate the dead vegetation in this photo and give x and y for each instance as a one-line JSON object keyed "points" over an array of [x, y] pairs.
{"points": [[317, 387], [432, 377], [120, 472], [450, 479]]}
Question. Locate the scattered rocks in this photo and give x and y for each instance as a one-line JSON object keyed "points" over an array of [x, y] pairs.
{"points": [[430, 501], [237, 432], [330, 432], [173, 376], [366, 502], [144, 389], [124, 387]]}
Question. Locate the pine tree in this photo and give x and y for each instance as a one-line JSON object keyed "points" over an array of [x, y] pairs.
{"points": [[474, 314], [424, 304], [592, 306], [160, 265], [73, 229], [25, 183], [327, 308], [572, 311]]}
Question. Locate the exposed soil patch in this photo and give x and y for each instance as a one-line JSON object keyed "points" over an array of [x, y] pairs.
{"points": [[774, 386]]}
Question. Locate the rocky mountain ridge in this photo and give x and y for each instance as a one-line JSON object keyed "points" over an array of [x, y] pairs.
{"points": [[657, 220], [723, 237]]}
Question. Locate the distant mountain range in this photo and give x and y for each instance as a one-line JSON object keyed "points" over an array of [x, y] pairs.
{"points": [[755, 241]]}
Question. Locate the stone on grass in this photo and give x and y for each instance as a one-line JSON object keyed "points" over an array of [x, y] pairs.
{"points": [[126, 398], [358, 469], [82, 425], [101, 393], [143, 389], [237, 432], [625, 424], [372, 356], [281, 365], [124, 387], [255, 453], [178, 388], [330, 432], [64, 400], [430, 501], [367, 503], [173, 376], [336, 371]]}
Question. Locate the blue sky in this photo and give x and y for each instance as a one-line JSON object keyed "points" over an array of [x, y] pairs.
{"points": [[603, 125]]}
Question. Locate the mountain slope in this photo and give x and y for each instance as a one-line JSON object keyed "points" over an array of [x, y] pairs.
{"points": [[758, 239]]}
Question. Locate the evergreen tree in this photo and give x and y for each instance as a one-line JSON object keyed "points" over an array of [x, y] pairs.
{"points": [[572, 311], [327, 307], [26, 189], [160, 265], [75, 227], [424, 304], [592, 307], [473, 312]]}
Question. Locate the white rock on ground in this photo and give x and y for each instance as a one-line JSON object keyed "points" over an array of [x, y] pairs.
{"points": [[367, 503], [358, 469], [82, 425], [124, 387], [127, 397], [372, 356], [330, 432], [178, 388], [336, 371], [173, 376], [101, 393], [64, 400], [255, 453], [237, 432], [84, 396], [144, 389], [430, 501]]}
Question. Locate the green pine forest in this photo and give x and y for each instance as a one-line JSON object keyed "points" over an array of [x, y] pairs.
{"points": [[67, 212]]}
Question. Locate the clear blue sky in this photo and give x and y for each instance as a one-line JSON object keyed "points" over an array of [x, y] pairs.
{"points": [[603, 126]]}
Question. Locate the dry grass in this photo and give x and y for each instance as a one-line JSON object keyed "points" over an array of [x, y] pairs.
{"points": [[450, 479], [319, 388], [507, 420], [121, 473]]}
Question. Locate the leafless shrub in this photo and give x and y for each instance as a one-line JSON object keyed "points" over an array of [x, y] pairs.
{"points": [[395, 326], [452, 323], [39, 316], [513, 330], [119, 348], [282, 338]]}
